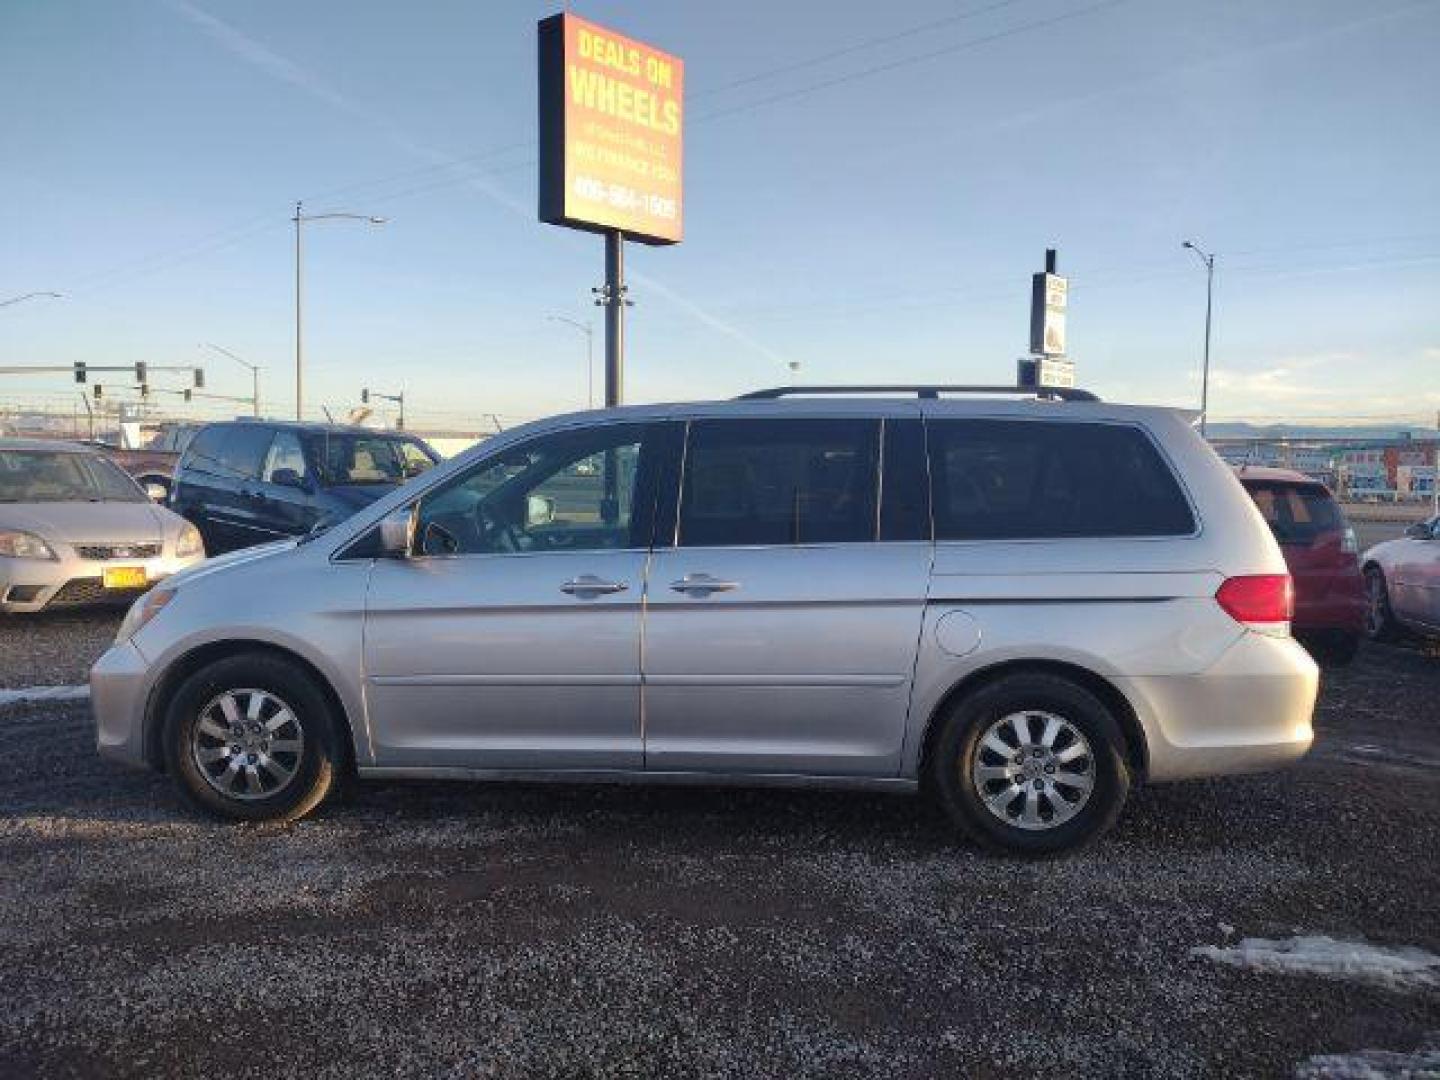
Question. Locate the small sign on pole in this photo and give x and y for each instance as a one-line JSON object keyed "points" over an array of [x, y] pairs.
{"points": [[1048, 298]]}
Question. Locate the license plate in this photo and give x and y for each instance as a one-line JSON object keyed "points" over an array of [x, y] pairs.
{"points": [[123, 577]]}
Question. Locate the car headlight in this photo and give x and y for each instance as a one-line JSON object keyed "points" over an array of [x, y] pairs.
{"points": [[189, 542], [141, 612], [24, 545]]}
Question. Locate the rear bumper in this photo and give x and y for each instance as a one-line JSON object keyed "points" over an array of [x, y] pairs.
{"points": [[1329, 601], [1250, 711], [118, 692]]}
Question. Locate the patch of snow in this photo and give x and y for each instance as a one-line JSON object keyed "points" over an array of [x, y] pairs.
{"points": [[1371, 1065], [1402, 969], [27, 695]]}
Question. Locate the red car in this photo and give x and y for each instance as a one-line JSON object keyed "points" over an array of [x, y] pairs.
{"points": [[1320, 551]]}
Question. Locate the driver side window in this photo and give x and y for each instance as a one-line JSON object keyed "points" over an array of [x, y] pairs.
{"points": [[570, 491]]}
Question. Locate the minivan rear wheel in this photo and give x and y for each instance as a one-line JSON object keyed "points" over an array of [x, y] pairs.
{"points": [[1032, 763], [252, 738]]}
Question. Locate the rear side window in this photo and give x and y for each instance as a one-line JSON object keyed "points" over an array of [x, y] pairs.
{"points": [[1016, 479], [202, 453], [1296, 513], [230, 451], [803, 481]]}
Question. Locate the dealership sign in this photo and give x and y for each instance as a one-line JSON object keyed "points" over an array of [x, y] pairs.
{"points": [[611, 132]]}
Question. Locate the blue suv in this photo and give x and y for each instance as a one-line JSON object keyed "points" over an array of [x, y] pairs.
{"points": [[247, 482]]}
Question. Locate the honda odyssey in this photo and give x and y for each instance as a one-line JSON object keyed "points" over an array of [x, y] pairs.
{"points": [[1019, 606]]}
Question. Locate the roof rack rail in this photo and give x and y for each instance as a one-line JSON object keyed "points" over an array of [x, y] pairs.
{"points": [[1057, 393]]}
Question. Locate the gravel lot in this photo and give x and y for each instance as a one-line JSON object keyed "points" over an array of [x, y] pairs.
{"points": [[524, 930]]}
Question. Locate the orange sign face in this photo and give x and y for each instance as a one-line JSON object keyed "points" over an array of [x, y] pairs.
{"points": [[611, 132]]}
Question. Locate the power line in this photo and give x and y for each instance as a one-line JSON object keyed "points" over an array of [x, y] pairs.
{"points": [[859, 46], [906, 61]]}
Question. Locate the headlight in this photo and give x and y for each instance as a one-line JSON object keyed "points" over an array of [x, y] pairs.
{"points": [[189, 542], [24, 545], [141, 612]]}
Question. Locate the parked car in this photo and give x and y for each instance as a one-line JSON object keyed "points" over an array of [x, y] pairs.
{"points": [[1402, 578], [247, 482], [153, 465], [1320, 550], [1020, 606], [75, 529]]}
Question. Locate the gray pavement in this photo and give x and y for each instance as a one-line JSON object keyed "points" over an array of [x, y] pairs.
{"points": [[471, 930]]}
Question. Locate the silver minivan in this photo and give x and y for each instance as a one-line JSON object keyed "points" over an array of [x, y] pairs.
{"points": [[1018, 605]]}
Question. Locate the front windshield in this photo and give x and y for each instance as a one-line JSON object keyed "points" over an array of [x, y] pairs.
{"points": [[36, 476], [370, 459]]}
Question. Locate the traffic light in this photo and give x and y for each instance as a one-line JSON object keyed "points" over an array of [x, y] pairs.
{"points": [[364, 397], [144, 390], [99, 391], [79, 371], [141, 372], [199, 378], [187, 394]]}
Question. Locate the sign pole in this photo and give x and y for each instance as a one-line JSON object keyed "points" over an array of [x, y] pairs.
{"points": [[614, 300]]}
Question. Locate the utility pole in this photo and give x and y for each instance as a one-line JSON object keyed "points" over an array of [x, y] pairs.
{"points": [[1209, 261], [299, 333], [611, 297]]}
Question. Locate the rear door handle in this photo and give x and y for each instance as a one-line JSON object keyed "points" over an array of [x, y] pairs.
{"points": [[587, 586], [703, 585]]}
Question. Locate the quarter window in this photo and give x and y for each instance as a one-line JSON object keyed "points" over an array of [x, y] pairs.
{"points": [[1004, 479], [803, 481]]}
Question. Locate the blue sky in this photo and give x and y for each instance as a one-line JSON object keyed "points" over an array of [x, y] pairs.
{"points": [[869, 188]]}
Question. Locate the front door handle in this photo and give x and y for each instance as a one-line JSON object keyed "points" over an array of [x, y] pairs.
{"points": [[703, 585], [587, 586]]}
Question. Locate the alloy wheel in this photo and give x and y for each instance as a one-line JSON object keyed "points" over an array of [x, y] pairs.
{"points": [[247, 744], [1034, 770]]}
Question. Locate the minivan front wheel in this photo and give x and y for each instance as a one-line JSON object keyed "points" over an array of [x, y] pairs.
{"points": [[251, 738], [1032, 764]]}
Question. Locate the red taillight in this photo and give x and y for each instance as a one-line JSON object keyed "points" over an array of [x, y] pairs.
{"points": [[1258, 600]]}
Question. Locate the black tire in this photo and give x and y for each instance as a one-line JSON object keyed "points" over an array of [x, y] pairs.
{"points": [[968, 721], [1335, 648], [314, 771], [1380, 624]]}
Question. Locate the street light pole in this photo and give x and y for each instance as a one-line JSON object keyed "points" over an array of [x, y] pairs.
{"points": [[589, 332], [300, 218], [1209, 261], [254, 373]]}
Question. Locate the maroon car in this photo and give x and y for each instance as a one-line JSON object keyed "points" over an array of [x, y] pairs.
{"points": [[1320, 550]]}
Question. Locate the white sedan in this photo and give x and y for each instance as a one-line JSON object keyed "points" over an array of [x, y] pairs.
{"points": [[76, 529], [1402, 578]]}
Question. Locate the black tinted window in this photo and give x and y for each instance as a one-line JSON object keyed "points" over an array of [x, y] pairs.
{"points": [[1005, 479], [202, 454], [779, 482], [1296, 513], [243, 449]]}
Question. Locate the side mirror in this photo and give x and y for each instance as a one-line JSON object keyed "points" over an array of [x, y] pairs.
{"points": [[539, 510], [157, 492], [1419, 531], [395, 530], [287, 478]]}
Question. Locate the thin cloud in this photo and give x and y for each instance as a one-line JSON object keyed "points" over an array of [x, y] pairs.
{"points": [[260, 56]]}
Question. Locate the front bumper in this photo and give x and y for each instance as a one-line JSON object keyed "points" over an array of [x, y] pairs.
{"points": [[119, 688], [29, 585], [1249, 711]]}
